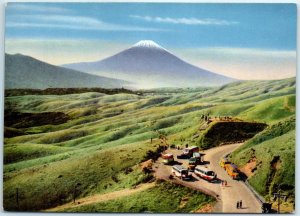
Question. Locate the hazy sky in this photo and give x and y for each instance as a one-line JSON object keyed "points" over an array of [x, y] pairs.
{"points": [[245, 41]]}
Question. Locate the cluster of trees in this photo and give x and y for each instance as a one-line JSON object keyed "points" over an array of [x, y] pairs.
{"points": [[63, 91]]}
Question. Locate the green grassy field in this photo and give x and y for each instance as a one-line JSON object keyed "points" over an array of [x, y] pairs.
{"points": [[108, 134], [163, 198]]}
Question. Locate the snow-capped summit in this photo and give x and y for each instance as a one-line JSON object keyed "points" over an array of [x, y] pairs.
{"points": [[149, 65], [148, 44]]}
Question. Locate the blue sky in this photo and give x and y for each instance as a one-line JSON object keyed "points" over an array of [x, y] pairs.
{"points": [[224, 38]]}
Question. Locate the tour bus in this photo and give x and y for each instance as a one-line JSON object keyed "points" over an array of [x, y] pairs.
{"points": [[223, 162], [180, 172], [205, 173], [188, 152], [232, 171], [167, 158]]}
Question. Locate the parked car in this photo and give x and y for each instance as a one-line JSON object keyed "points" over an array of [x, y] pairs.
{"points": [[167, 158], [181, 172], [205, 173], [193, 162], [199, 157]]}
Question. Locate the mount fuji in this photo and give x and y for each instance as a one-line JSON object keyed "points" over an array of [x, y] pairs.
{"points": [[149, 65]]}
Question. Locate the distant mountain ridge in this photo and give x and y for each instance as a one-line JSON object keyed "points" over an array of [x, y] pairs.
{"points": [[26, 72], [151, 66]]}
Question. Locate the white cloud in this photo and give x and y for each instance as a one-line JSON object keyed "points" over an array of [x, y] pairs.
{"points": [[35, 8], [185, 21], [68, 22]]}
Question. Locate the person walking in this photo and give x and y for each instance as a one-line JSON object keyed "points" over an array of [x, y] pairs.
{"points": [[241, 204], [237, 204]]}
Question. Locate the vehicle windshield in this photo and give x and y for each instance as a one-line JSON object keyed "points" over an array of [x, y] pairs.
{"points": [[210, 173]]}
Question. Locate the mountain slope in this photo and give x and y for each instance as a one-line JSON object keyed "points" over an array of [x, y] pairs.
{"points": [[26, 72], [150, 65]]}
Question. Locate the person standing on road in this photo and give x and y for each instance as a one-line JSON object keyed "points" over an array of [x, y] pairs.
{"points": [[240, 204], [237, 204]]}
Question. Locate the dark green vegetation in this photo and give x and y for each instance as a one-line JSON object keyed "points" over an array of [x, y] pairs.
{"points": [[26, 72], [163, 198], [107, 135], [64, 91], [25, 120], [227, 132]]}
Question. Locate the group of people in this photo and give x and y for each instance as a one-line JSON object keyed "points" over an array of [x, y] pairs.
{"points": [[208, 119], [239, 204], [224, 183]]}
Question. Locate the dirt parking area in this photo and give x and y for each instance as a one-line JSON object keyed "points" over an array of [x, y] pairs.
{"points": [[227, 196]]}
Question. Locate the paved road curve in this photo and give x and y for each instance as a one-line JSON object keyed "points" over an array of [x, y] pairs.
{"points": [[226, 196]]}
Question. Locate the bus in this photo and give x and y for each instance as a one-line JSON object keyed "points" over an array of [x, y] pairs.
{"points": [[232, 171], [188, 152], [205, 173], [223, 162], [180, 172]]}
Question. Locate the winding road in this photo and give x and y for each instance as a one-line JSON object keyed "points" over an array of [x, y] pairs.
{"points": [[228, 196]]}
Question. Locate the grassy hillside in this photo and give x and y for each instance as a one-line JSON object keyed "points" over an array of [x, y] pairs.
{"points": [[50, 181], [273, 151], [105, 135], [163, 198]]}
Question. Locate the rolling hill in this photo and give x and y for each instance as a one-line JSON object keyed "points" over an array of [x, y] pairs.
{"points": [[106, 136], [26, 72], [149, 65]]}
